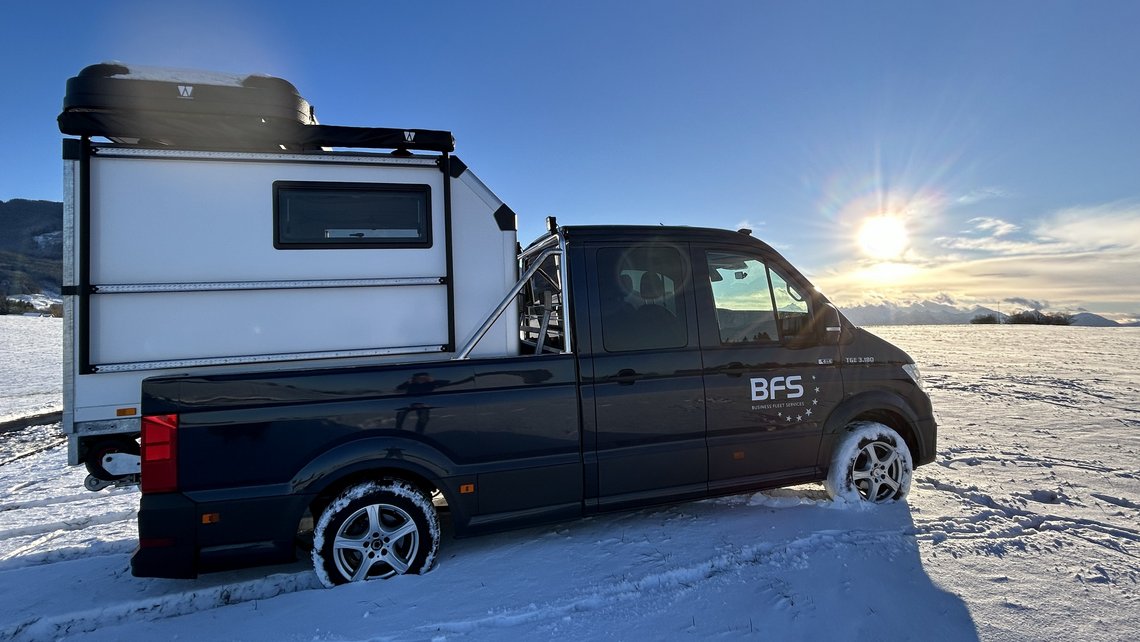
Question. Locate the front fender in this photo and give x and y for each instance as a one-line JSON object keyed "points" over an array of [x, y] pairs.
{"points": [[886, 407]]}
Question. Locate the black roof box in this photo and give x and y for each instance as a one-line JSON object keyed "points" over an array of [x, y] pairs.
{"points": [[157, 107]]}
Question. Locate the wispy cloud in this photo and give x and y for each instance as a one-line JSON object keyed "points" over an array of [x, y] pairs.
{"points": [[1032, 304], [994, 245], [995, 226], [943, 297], [986, 235], [1101, 228], [1090, 229]]}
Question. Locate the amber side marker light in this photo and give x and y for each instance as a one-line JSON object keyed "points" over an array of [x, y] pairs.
{"points": [[126, 412], [466, 489], [211, 518]]}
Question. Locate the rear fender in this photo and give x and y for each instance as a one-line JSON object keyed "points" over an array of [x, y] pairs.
{"points": [[372, 457]]}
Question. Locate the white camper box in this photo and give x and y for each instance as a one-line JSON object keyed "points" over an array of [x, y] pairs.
{"points": [[184, 260]]}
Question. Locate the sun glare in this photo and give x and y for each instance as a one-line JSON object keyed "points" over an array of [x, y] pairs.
{"points": [[883, 237], [888, 272]]}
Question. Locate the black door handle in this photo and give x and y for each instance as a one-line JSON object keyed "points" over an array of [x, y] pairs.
{"points": [[626, 376]]}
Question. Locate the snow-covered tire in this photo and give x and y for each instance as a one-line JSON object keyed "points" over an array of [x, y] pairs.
{"points": [[871, 463], [375, 530]]}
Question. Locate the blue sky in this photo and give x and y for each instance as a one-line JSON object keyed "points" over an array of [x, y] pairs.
{"points": [[1000, 139]]}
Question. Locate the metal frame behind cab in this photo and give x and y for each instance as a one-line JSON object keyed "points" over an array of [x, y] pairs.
{"points": [[553, 244], [78, 289]]}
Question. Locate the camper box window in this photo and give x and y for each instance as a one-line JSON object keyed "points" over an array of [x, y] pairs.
{"points": [[350, 215]]}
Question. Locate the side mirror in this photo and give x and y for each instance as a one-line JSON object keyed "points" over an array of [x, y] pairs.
{"points": [[832, 327]]}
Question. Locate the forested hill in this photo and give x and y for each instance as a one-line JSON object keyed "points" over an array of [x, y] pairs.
{"points": [[31, 246]]}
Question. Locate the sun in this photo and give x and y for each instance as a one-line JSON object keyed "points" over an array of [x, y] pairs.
{"points": [[884, 237]]}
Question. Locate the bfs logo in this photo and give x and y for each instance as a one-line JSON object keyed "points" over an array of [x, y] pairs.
{"points": [[777, 388]]}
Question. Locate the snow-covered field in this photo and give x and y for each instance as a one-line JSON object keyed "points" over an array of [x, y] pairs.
{"points": [[1026, 528], [30, 365]]}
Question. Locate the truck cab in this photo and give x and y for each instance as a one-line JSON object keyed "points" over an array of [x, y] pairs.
{"points": [[709, 364]]}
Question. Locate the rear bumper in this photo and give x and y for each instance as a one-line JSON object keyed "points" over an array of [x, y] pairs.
{"points": [[167, 538], [180, 537]]}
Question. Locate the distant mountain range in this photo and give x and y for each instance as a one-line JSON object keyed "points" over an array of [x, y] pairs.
{"points": [[31, 247], [1096, 321], [936, 313]]}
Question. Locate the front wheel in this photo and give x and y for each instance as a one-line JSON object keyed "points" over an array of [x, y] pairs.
{"points": [[871, 463], [375, 530]]}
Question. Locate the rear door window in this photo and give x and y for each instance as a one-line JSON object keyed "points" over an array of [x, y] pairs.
{"points": [[642, 298]]}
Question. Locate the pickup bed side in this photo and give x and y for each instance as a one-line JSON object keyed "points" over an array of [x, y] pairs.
{"points": [[499, 438]]}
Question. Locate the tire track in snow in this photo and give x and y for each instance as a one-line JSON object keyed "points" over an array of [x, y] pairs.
{"points": [[1024, 522], [66, 525], [28, 555], [28, 538], [675, 580], [947, 458], [1064, 393], [34, 451], [1116, 501], [30, 546], [159, 607], [86, 496]]}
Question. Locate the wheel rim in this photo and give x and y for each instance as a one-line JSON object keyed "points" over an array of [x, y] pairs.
{"points": [[878, 472], [376, 541]]}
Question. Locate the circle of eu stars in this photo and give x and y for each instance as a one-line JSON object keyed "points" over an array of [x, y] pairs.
{"points": [[808, 412]]}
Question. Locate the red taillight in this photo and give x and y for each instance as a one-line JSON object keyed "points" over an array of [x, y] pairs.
{"points": [[159, 453]]}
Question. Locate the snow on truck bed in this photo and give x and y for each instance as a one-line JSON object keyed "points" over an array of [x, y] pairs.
{"points": [[1027, 527]]}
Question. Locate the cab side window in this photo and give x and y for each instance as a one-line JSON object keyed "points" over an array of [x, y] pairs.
{"points": [[642, 297], [792, 312], [744, 309], [755, 304]]}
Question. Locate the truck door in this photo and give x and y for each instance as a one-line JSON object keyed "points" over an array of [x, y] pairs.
{"points": [[770, 380], [647, 390]]}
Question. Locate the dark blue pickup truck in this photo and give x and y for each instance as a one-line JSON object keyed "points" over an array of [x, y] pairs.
{"points": [[656, 364]]}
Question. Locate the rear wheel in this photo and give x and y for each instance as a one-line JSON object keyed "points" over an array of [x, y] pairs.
{"points": [[375, 530], [870, 464]]}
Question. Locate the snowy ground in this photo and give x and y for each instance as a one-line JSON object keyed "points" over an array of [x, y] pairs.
{"points": [[30, 365], [1026, 528]]}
